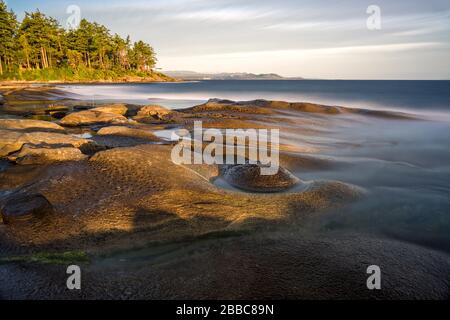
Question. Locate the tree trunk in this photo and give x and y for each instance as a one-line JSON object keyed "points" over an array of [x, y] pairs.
{"points": [[42, 58], [1, 66], [46, 58], [28, 61], [50, 60]]}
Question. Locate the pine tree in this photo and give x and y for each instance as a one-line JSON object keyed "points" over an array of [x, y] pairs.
{"points": [[39, 42], [8, 29], [143, 56]]}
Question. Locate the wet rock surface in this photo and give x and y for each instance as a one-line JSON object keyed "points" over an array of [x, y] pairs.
{"points": [[121, 193], [23, 207], [261, 106], [127, 132], [91, 117], [155, 111], [157, 114], [31, 154], [29, 125], [248, 177], [11, 141], [120, 109]]}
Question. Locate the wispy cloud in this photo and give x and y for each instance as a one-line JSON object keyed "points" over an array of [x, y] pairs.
{"points": [[391, 47], [223, 14]]}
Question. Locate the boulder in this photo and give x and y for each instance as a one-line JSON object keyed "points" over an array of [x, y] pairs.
{"points": [[11, 141], [127, 132], [248, 177], [118, 108], [29, 125], [90, 117], [24, 207], [155, 111], [30, 154]]}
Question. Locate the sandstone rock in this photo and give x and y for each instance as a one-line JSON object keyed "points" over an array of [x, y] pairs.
{"points": [[127, 132], [11, 141], [89, 117], [247, 177], [155, 111], [118, 108], [30, 154], [141, 191], [23, 207], [230, 106], [261, 106], [29, 125]]}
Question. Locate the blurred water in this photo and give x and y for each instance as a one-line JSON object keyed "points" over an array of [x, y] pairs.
{"points": [[420, 96]]}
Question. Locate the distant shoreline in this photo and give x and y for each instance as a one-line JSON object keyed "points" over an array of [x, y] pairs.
{"points": [[13, 83]]}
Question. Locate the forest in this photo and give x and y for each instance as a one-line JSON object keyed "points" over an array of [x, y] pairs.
{"points": [[38, 48]]}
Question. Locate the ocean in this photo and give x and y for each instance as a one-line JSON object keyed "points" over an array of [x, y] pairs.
{"points": [[420, 96]]}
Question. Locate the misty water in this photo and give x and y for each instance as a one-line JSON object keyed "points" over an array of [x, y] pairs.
{"points": [[404, 165]]}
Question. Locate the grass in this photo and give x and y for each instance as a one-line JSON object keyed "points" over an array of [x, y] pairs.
{"points": [[80, 74], [68, 257]]}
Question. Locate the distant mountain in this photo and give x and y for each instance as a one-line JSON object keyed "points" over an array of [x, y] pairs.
{"points": [[192, 75]]}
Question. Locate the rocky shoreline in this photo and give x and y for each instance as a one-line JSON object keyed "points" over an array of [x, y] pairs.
{"points": [[99, 179]]}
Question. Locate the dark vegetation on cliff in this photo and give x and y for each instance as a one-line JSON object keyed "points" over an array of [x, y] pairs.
{"points": [[39, 49]]}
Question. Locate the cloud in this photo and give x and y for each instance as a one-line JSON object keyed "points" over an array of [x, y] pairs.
{"points": [[222, 14], [391, 47]]}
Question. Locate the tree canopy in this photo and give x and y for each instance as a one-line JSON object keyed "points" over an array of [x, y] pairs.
{"points": [[38, 45]]}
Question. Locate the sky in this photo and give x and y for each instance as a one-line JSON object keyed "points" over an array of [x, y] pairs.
{"points": [[312, 39]]}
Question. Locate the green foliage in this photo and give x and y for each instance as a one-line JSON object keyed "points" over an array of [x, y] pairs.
{"points": [[67, 257], [39, 49]]}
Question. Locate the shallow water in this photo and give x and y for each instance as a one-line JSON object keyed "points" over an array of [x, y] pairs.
{"points": [[405, 166]]}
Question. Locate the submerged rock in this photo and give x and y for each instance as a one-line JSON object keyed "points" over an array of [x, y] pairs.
{"points": [[29, 125], [90, 117], [118, 108], [248, 177], [30, 154], [23, 207]]}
